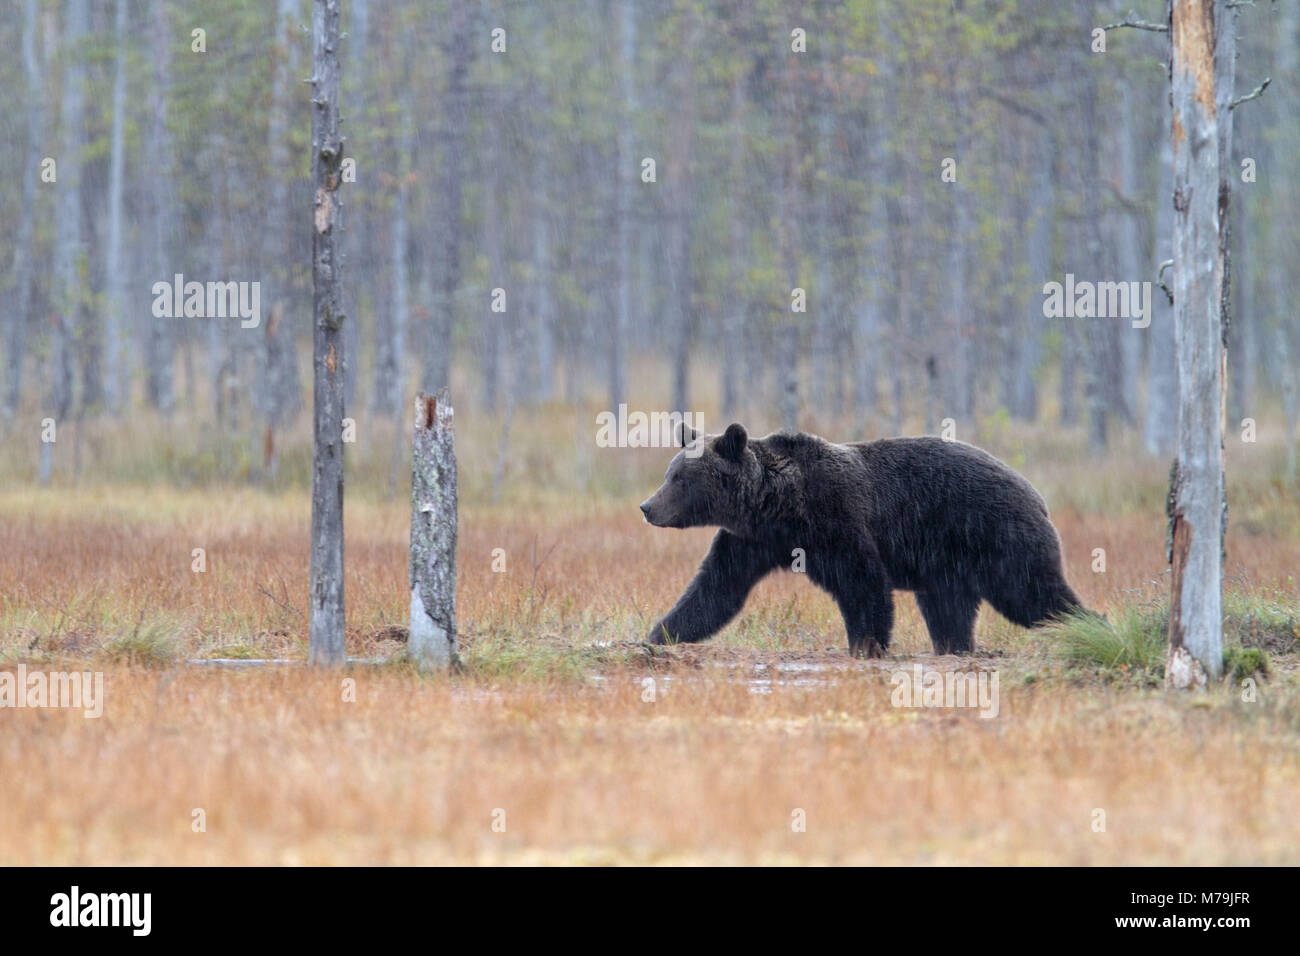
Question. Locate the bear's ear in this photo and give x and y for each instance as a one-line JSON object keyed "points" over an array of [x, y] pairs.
{"points": [[685, 434], [732, 443]]}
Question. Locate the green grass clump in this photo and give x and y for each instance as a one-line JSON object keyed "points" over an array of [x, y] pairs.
{"points": [[1134, 641], [150, 645], [1243, 662], [1131, 643]]}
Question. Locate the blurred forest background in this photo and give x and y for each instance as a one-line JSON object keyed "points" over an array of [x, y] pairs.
{"points": [[524, 170]]}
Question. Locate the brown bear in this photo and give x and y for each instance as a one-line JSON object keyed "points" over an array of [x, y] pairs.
{"points": [[942, 519]]}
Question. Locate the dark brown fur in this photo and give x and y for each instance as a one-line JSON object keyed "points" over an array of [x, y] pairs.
{"points": [[942, 519]]}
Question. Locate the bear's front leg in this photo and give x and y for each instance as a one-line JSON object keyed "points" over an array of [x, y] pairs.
{"points": [[868, 619], [718, 591]]}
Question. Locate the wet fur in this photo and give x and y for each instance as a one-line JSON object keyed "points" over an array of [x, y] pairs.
{"points": [[942, 519]]}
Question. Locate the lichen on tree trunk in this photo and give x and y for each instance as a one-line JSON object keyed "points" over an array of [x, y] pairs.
{"points": [[433, 534]]}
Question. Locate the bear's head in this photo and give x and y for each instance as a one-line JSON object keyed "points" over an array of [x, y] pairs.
{"points": [[708, 482]]}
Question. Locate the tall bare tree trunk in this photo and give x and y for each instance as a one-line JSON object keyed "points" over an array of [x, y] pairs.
{"points": [[875, 255], [1037, 216], [67, 229], [1201, 75], [438, 335], [494, 326], [624, 173], [1098, 332], [279, 366], [1161, 425], [327, 646], [114, 339], [360, 248], [1289, 404], [681, 145], [823, 312], [391, 350], [790, 210], [733, 314], [1125, 232], [959, 384], [543, 280], [1283, 244], [20, 314], [160, 352]]}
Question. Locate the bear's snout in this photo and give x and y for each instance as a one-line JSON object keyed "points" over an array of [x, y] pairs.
{"points": [[654, 513]]}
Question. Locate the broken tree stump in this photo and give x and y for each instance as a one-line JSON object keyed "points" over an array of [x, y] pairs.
{"points": [[433, 534]]}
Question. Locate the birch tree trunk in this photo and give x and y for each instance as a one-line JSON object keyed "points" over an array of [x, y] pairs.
{"points": [[327, 645], [1200, 64], [391, 353], [1037, 216], [434, 522], [160, 351], [1125, 231], [873, 261], [823, 304], [1097, 332], [114, 342], [681, 128], [543, 279], [438, 334], [790, 208], [624, 177], [788, 366], [733, 314], [1161, 425], [959, 387], [1286, 75], [19, 315], [67, 230], [1289, 405], [875, 256], [493, 325], [279, 385]]}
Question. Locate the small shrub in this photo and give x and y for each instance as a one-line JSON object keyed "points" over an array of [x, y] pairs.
{"points": [[1243, 662], [151, 645], [1268, 621], [1131, 644]]}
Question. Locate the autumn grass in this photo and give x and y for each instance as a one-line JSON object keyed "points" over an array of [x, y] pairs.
{"points": [[549, 719], [597, 749], [97, 570], [287, 770], [1131, 642]]}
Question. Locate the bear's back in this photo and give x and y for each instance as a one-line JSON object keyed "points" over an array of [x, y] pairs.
{"points": [[949, 471]]}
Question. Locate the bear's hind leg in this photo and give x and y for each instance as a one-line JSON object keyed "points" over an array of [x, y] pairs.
{"points": [[950, 619]]}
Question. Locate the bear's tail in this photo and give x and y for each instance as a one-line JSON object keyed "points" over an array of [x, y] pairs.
{"points": [[1062, 602]]}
